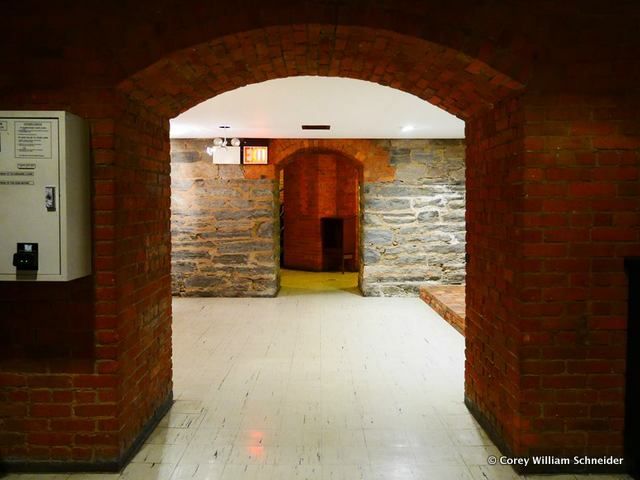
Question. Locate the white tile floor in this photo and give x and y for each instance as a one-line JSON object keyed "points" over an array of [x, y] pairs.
{"points": [[319, 383]]}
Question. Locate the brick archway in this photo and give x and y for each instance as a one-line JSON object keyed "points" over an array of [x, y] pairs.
{"points": [[360, 160], [464, 86], [373, 159], [448, 78], [460, 84], [552, 171], [330, 181], [291, 153]]}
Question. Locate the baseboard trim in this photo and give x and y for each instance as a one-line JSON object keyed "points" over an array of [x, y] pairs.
{"points": [[538, 469], [114, 466]]}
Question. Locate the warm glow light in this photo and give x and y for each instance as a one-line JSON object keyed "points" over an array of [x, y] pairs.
{"points": [[256, 451], [256, 155]]}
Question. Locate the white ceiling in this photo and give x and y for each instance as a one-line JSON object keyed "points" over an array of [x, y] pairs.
{"points": [[353, 108]]}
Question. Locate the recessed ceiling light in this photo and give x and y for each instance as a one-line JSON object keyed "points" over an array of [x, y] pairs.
{"points": [[407, 128]]}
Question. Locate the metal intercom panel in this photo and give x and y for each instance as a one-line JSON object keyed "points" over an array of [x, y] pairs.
{"points": [[45, 230]]}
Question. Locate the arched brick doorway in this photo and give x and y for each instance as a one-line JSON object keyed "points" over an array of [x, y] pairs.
{"points": [[442, 76], [317, 183], [552, 191], [464, 86], [467, 87]]}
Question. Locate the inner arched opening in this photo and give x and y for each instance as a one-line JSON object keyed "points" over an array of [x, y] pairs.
{"points": [[320, 218]]}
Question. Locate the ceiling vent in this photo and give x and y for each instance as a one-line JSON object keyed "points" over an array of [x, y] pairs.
{"points": [[316, 127]]}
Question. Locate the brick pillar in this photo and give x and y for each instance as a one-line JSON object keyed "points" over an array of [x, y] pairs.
{"points": [[59, 388], [493, 179], [581, 218], [95, 370], [142, 272], [553, 210]]}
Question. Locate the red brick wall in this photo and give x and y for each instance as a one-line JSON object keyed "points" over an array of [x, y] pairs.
{"points": [[58, 400], [553, 202], [142, 271], [461, 84], [580, 219], [84, 399], [492, 336], [566, 208], [316, 185], [46, 321]]}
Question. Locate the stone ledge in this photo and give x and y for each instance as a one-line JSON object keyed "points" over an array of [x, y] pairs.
{"points": [[448, 301]]}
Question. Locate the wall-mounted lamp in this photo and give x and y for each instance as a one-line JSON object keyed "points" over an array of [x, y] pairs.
{"points": [[220, 152], [220, 142]]}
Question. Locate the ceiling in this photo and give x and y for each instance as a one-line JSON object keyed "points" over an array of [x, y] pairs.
{"points": [[353, 109]]}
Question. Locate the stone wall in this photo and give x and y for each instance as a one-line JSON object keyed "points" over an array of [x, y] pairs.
{"points": [[223, 227], [414, 226]]}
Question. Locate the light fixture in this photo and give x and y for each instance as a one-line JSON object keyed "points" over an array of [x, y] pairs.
{"points": [[222, 143], [407, 128]]}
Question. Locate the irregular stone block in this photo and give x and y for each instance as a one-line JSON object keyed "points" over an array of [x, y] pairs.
{"points": [[244, 247], [184, 157], [182, 267], [242, 214], [216, 190], [387, 204], [222, 233], [262, 193], [453, 216], [181, 184], [265, 230], [411, 260], [270, 258], [231, 259], [428, 216], [183, 255], [377, 237], [459, 248], [370, 256], [203, 281], [372, 219], [399, 218], [422, 202]]}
